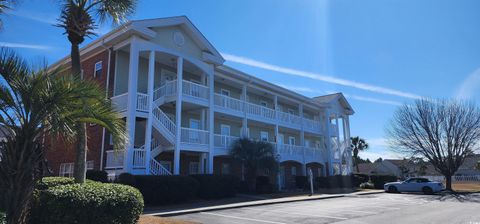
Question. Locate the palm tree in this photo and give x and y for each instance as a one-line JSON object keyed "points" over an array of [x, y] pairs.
{"points": [[35, 105], [254, 155], [79, 18], [358, 144]]}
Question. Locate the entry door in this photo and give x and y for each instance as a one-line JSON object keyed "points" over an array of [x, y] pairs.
{"points": [[225, 133], [194, 136], [280, 139], [291, 140], [307, 143]]}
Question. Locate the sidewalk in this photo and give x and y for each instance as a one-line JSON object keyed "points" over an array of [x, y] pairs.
{"points": [[179, 211]]}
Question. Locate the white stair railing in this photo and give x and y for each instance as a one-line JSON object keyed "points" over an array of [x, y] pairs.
{"points": [[139, 157], [165, 121], [157, 169]]}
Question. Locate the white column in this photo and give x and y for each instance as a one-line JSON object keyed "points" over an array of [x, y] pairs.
{"points": [[131, 105], [148, 131], [244, 120], [211, 119], [328, 139], [302, 140], [178, 117]]}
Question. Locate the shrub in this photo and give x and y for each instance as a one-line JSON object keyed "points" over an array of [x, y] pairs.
{"points": [[48, 182], [97, 175], [242, 187], [87, 203], [367, 185], [263, 185], [379, 180], [337, 181], [359, 179], [216, 186], [301, 181], [2, 218], [126, 178], [160, 190]]}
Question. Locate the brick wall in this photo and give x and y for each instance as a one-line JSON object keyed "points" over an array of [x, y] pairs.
{"points": [[60, 152]]}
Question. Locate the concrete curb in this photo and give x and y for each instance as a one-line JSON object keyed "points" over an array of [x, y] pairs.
{"points": [[256, 203]]}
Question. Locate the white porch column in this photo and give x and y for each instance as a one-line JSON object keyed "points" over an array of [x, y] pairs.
{"points": [[178, 117], [302, 140], [131, 105], [328, 139], [211, 120], [148, 131], [245, 133]]}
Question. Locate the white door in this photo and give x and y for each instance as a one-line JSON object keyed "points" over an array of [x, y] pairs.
{"points": [[291, 140], [194, 136], [225, 134], [307, 143], [264, 136]]}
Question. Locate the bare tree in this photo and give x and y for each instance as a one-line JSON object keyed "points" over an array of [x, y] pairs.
{"points": [[444, 132]]}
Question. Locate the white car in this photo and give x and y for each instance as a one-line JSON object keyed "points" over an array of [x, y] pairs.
{"points": [[414, 185]]}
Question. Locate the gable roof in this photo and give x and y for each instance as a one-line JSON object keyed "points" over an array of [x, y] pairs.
{"points": [[142, 28], [338, 98]]}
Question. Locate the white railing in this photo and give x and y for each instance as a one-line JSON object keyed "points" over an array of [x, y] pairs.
{"points": [[289, 149], [313, 152], [164, 120], [289, 118], [139, 157], [154, 144], [228, 102], [114, 159], [120, 101], [261, 111], [312, 125], [157, 169], [224, 141], [194, 136], [466, 178], [167, 89], [142, 102], [194, 89]]}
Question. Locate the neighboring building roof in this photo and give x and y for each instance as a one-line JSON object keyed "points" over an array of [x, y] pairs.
{"points": [[367, 168]]}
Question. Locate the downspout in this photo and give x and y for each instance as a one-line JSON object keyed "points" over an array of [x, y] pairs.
{"points": [[106, 96]]}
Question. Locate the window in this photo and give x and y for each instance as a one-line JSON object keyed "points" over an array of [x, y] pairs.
{"points": [[294, 171], [225, 129], [264, 103], [66, 170], [264, 136], [225, 168], [167, 165], [194, 167], [98, 69], [224, 92], [90, 165]]}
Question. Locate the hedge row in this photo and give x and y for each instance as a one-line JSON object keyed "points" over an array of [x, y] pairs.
{"points": [[61, 201], [160, 190], [379, 180]]}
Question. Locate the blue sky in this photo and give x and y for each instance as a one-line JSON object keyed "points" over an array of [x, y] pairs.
{"points": [[379, 53]]}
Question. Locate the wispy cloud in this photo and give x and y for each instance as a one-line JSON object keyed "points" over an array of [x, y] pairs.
{"points": [[320, 77], [470, 86], [35, 16], [27, 46], [350, 96]]}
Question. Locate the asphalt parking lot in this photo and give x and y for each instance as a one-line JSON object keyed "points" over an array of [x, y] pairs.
{"points": [[375, 208]]}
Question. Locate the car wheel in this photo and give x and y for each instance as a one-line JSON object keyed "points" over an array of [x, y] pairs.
{"points": [[427, 190], [392, 189]]}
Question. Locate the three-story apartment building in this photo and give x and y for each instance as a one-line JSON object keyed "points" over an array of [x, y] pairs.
{"points": [[184, 108]]}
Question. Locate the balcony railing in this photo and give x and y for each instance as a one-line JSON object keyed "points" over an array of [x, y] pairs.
{"points": [[139, 157], [224, 141], [121, 101], [114, 159], [312, 125], [289, 118], [194, 136], [228, 103], [289, 149], [261, 111], [188, 88]]}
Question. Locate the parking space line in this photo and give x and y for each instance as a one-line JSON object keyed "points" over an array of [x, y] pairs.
{"points": [[236, 217], [298, 213], [343, 209]]}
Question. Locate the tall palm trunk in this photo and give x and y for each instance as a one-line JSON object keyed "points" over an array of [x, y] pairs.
{"points": [[82, 147]]}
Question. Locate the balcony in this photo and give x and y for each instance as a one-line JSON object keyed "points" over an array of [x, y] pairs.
{"points": [[114, 159], [259, 112], [194, 136], [223, 143], [228, 104], [191, 91], [289, 119], [121, 101], [312, 125]]}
